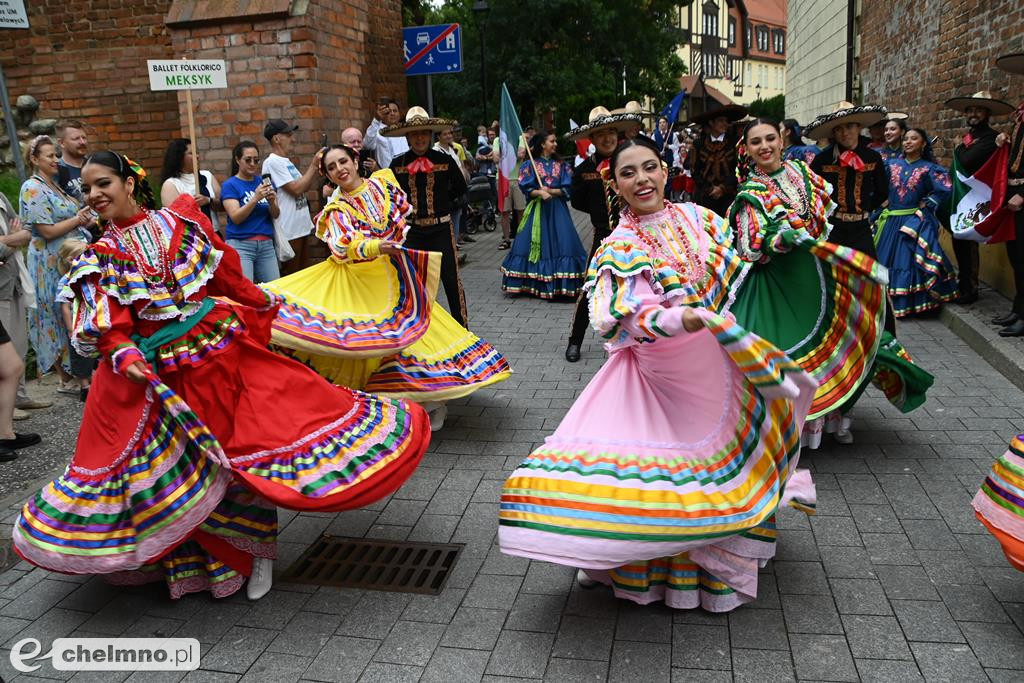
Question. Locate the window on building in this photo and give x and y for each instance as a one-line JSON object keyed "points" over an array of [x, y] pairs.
{"points": [[762, 38], [779, 85], [710, 23], [750, 71], [733, 67], [749, 39], [779, 41], [732, 32], [711, 69]]}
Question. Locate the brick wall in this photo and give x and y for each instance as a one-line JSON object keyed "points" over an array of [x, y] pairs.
{"points": [[321, 63], [916, 54], [86, 60]]}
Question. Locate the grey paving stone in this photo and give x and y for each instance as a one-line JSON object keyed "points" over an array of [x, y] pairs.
{"points": [[306, 634], [422, 484], [304, 529], [474, 628], [757, 666], [541, 613], [680, 675], [862, 490], [801, 577], [927, 621], [835, 530], [377, 672], [330, 600], [37, 599], [274, 610], [929, 534], [846, 562], [983, 549], [972, 603], [201, 676], [875, 518], [447, 502], [584, 638], [637, 661], [947, 662], [401, 512], [519, 653], [91, 596], [434, 528], [56, 623], [811, 614], [545, 577], [576, 671], [277, 666], [762, 629], [767, 591], [451, 665], [860, 596], [436, 609], [701, 647], [822, 657], [999, 646], [906, 583], [875, 637], [797, 545], [882, 671], [644, 623], [342, 659], [374, 615], [410, 643], [498, 562], [493, 592], [1004, 582], [352, 523], [238, 649], [889, 549]]}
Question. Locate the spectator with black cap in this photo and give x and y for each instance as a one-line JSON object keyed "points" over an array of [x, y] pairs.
{"points": [[294, 222]]}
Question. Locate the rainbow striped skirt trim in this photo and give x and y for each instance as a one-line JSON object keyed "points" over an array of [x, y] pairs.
{"points": [[687, 445], [1000, 502], [824, 305]]}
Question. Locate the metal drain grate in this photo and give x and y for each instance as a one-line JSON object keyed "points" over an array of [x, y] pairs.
{"points": [[374, 564]]}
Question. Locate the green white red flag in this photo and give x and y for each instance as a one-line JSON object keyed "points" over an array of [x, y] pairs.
{"points": [[511, 136], [973, 217]]}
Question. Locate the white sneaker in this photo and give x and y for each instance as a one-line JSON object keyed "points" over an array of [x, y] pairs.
{"points": [[585, 581], [262, 578], [844, 436], [437, 415]]}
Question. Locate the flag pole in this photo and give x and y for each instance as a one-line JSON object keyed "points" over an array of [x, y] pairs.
{"points": [[533, 164]]}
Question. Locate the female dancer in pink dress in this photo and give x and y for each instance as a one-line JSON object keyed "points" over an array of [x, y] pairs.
{"points": [[664, 478]]}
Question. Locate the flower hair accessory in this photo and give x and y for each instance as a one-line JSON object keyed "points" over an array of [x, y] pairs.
{"points": [[136, 168]]}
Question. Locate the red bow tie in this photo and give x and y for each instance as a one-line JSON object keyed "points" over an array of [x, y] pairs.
{"points": [[850, 159], [420, 165]]}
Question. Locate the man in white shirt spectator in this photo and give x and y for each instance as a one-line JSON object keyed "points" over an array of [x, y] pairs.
{"points": [[384, 148], [294, 222]]}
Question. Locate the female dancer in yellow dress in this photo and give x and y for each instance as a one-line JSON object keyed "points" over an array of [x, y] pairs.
{"points": [[366, 318]]}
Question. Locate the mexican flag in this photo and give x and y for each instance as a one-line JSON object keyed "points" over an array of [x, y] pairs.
{"points": [[973, 217], [508, 146]]}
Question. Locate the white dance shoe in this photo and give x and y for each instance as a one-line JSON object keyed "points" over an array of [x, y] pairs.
{"points": [[262, 578], [585, 581]]}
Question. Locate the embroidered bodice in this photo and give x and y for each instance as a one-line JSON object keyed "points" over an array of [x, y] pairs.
{"points": [[911, 183], [653, 265], [555, 174], [353, 224], [791, 198]]}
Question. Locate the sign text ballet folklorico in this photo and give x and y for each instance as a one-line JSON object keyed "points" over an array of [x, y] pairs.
{"points": [[179, 74]]}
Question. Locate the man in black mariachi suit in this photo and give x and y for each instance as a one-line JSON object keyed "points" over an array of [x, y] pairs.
{"points": [[860, 183], [433, 183], [713, 158], [975, 149], [593, 195]]}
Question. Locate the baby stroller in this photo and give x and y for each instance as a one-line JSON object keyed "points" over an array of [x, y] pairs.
{"points": [[481, 200]]}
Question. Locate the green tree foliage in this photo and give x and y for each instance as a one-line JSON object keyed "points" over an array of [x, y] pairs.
{"points": [[773, 107], [561, 54]]}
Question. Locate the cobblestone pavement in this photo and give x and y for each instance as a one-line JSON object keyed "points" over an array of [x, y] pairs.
{"points": [[892, 580]]}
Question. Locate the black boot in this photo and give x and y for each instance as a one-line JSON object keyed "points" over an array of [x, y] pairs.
{"points": [[1006, 320], [572, 353], [1014, 330]]}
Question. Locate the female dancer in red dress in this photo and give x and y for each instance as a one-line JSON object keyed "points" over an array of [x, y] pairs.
{"points": [[193, 431]]}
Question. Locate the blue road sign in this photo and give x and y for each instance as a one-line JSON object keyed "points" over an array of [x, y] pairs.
{"points": [[432, 49]]}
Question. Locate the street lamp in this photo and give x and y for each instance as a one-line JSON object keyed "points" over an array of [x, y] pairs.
{"points": [[757, 90], [480, 9]]}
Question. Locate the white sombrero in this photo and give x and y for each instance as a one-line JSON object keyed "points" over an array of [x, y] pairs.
{"points": [[417, 119], [845, 112], [982, 98], [600, 118], [632, 107]]}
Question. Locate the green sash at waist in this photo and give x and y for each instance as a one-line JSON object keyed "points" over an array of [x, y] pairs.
{"points": [[170, 331], [884, 216]]}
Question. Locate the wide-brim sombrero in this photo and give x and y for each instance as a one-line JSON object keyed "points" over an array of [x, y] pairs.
{"points": [[733, 112], [601, 119], [1014, 63], [632, 107], [417, 119], [866, 115], [982, 98]]}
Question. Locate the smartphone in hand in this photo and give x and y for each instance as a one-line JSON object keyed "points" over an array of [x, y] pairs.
{"points": [[323, 140]]}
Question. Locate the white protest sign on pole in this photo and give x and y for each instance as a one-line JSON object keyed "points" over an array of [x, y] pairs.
{"points": [[188, 75], [12, 14]]}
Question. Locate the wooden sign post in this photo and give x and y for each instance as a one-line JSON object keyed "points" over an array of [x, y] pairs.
{"points": [[188, 75]]}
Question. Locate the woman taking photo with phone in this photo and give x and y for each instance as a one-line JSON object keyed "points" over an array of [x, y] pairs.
{"points": [[251, 204]]}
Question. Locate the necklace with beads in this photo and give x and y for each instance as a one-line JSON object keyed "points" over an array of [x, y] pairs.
{"points": [[693, 269], [144, 242], [802, 203]]}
